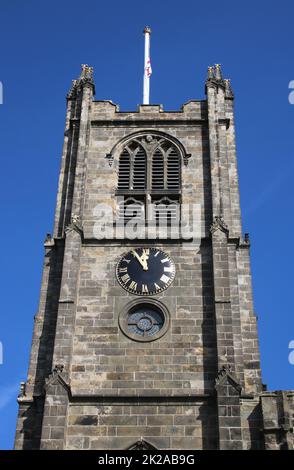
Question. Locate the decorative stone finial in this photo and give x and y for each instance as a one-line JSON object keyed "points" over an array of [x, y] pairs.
{"points": [[86, 76], [22, 391], [210, 73], [48, 238], [147, 29], [218, 71], [87, 72], [72, 91], [23, 396], [49, 241], [229, 91]]}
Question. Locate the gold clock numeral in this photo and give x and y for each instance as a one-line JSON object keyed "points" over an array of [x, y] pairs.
{"points": [[165, 260], [126, 260], [157, 287], [123, 270], [165, 279], [125, 278], [145, 289], [133, 285], [156, 254]]}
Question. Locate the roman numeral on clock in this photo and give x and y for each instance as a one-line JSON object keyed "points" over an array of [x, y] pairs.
{"points": [[123, 270], [168, 269], [145, 289], [125, 278], [165, 279], [133, 285]]}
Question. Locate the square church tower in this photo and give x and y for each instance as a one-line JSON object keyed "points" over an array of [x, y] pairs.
{"points": [[146, 337]]}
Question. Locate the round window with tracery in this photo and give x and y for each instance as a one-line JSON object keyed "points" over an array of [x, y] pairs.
{"points": [[144, 322]]}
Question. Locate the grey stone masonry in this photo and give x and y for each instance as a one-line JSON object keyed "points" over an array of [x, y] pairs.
{"points": [[277, 415], [90, 385]]}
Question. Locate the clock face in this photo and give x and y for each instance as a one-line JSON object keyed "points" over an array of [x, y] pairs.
{"points": [[145, 271]]}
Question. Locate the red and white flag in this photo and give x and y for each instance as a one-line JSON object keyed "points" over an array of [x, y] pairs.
{"points": [[148, 69]]}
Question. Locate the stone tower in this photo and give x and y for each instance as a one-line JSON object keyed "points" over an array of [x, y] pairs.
{"points": [[148, 341]]}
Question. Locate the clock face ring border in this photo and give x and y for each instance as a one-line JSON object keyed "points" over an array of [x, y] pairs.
{"points": [[137, 303], [148, 293]]}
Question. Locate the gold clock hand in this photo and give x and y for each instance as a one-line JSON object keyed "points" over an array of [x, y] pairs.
{"points": [[141, 259], [145, 257], [135, 254]]}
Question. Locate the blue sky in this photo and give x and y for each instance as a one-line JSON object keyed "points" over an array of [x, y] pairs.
{"points": [[42, 45]]}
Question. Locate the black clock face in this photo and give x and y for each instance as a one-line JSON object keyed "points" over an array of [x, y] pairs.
{"points": [[145, 271]]}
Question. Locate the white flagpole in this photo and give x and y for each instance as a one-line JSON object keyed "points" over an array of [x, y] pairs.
{"points": [[147, 66]]}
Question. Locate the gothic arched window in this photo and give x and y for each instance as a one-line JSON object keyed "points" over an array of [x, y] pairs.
{"points": [[150, 170]]}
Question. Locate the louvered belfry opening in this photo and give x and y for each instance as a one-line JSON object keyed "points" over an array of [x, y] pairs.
{"points": [[173, 170], [166, 210], [157, 170], [131, 207], [149, 174], [140, 174], [124, 170]]}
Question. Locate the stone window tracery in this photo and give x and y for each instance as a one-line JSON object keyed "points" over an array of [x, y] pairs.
{"points": [[149, 174]]}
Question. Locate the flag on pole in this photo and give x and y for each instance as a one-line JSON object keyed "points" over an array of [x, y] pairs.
{"points": [[147, 66]]}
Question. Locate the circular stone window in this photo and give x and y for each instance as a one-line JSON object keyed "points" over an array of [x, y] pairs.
{"points": [[144, 321]]}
